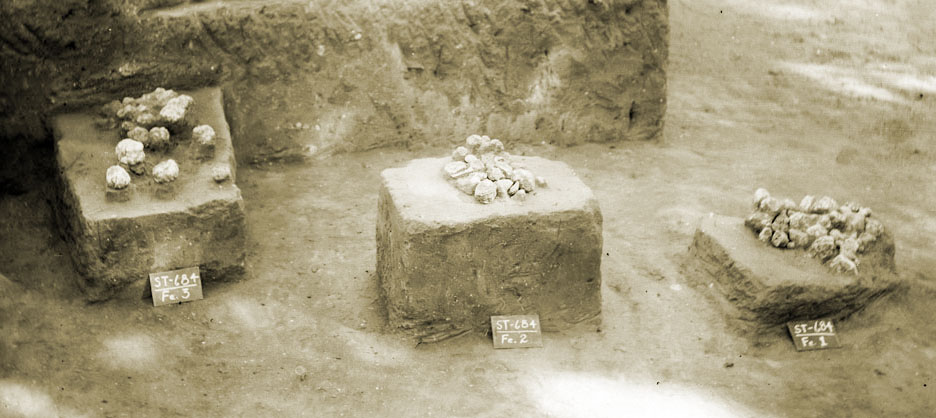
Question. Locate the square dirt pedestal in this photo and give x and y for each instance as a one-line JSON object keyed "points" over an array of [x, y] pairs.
{"points": [[115, 245], [771, 286], [447, 262]]}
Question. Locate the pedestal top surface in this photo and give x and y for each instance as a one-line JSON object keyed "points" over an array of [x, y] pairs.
{"points": [[421, 193], [774, 266], [85, 151]]}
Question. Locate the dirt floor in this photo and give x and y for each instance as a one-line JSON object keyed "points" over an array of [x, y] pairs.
{"points": [[796, 96]]}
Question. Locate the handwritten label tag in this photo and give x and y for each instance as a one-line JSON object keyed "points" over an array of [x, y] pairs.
{"points": [[183, 285], [813, 335], [516, 331]]}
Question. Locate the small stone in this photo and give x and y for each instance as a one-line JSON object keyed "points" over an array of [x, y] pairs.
{"points": [[460, 153], [788, 204], [824, 205], [126, 126], [473, 141], [823, 248], [837, 236], [505, 167], [117, 177], [485, 191], [806, 204], [758, 221], [130, 152], [220, 173], [837, 218], [849, 248], [175, 110], [825, 221], [865, 240], [456, 169], [525, 178], [779, 239], [759, 196], [781, 222], [203, 134], [145, 119], [468, 183], [854, 222], [799, 238], [140, 134], [497, 145], [494, 173], [765, 234], [158, 137], [799, 220], [816, 231], [541, 182], [874, 227], [474, 163], [770, 205], [520, 195], [513, 188], [166, 172], [503, 185], [843, 264]]}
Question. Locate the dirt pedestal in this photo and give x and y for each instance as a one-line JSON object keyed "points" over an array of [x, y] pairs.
{"points": [[193, 221], [445, 261], [772, 286]]}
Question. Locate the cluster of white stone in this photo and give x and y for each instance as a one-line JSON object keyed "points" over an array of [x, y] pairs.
{"points": [[834, 234], [483, 169], [145, 123], [161, 107]]}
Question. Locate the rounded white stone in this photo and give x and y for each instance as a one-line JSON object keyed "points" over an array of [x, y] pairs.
{"points": [[117, 177], [166, 171]]}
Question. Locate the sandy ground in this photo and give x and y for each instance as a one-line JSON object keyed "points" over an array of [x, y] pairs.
{"points": [[795, 96]]}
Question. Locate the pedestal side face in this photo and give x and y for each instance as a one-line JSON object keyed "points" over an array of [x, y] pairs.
{"points": [[192, 221], [443, 258]]}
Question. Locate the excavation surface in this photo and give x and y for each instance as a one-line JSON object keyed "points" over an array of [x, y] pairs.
{"points": [[798, 97]]}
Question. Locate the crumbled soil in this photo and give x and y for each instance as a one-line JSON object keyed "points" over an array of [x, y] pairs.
{"points": [[797, 96]]}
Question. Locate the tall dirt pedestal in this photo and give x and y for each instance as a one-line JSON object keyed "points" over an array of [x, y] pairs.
{"points": [[115, 245], [770, 286], [447, 262]]}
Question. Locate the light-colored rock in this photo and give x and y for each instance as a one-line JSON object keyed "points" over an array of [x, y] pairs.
{"points": [[117, 178], [203, 134], [824, 205], [520, 196], [765, 234], [220, 173], [779, 239], [843, 264], [823, 248], [513, 188], [807, 203], [166, 171], [758, 221], [460, 153], [759, 196], [485, 191], [494, 173], [874, 227], [799, 238], [158, 137], [139, 134], [526, 179], [130, 152], [468, 183], [503, 185], [816, 231]]}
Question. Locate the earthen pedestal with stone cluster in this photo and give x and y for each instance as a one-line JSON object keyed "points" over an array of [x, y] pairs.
{"points": [[116, 243], [446, 262]]}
